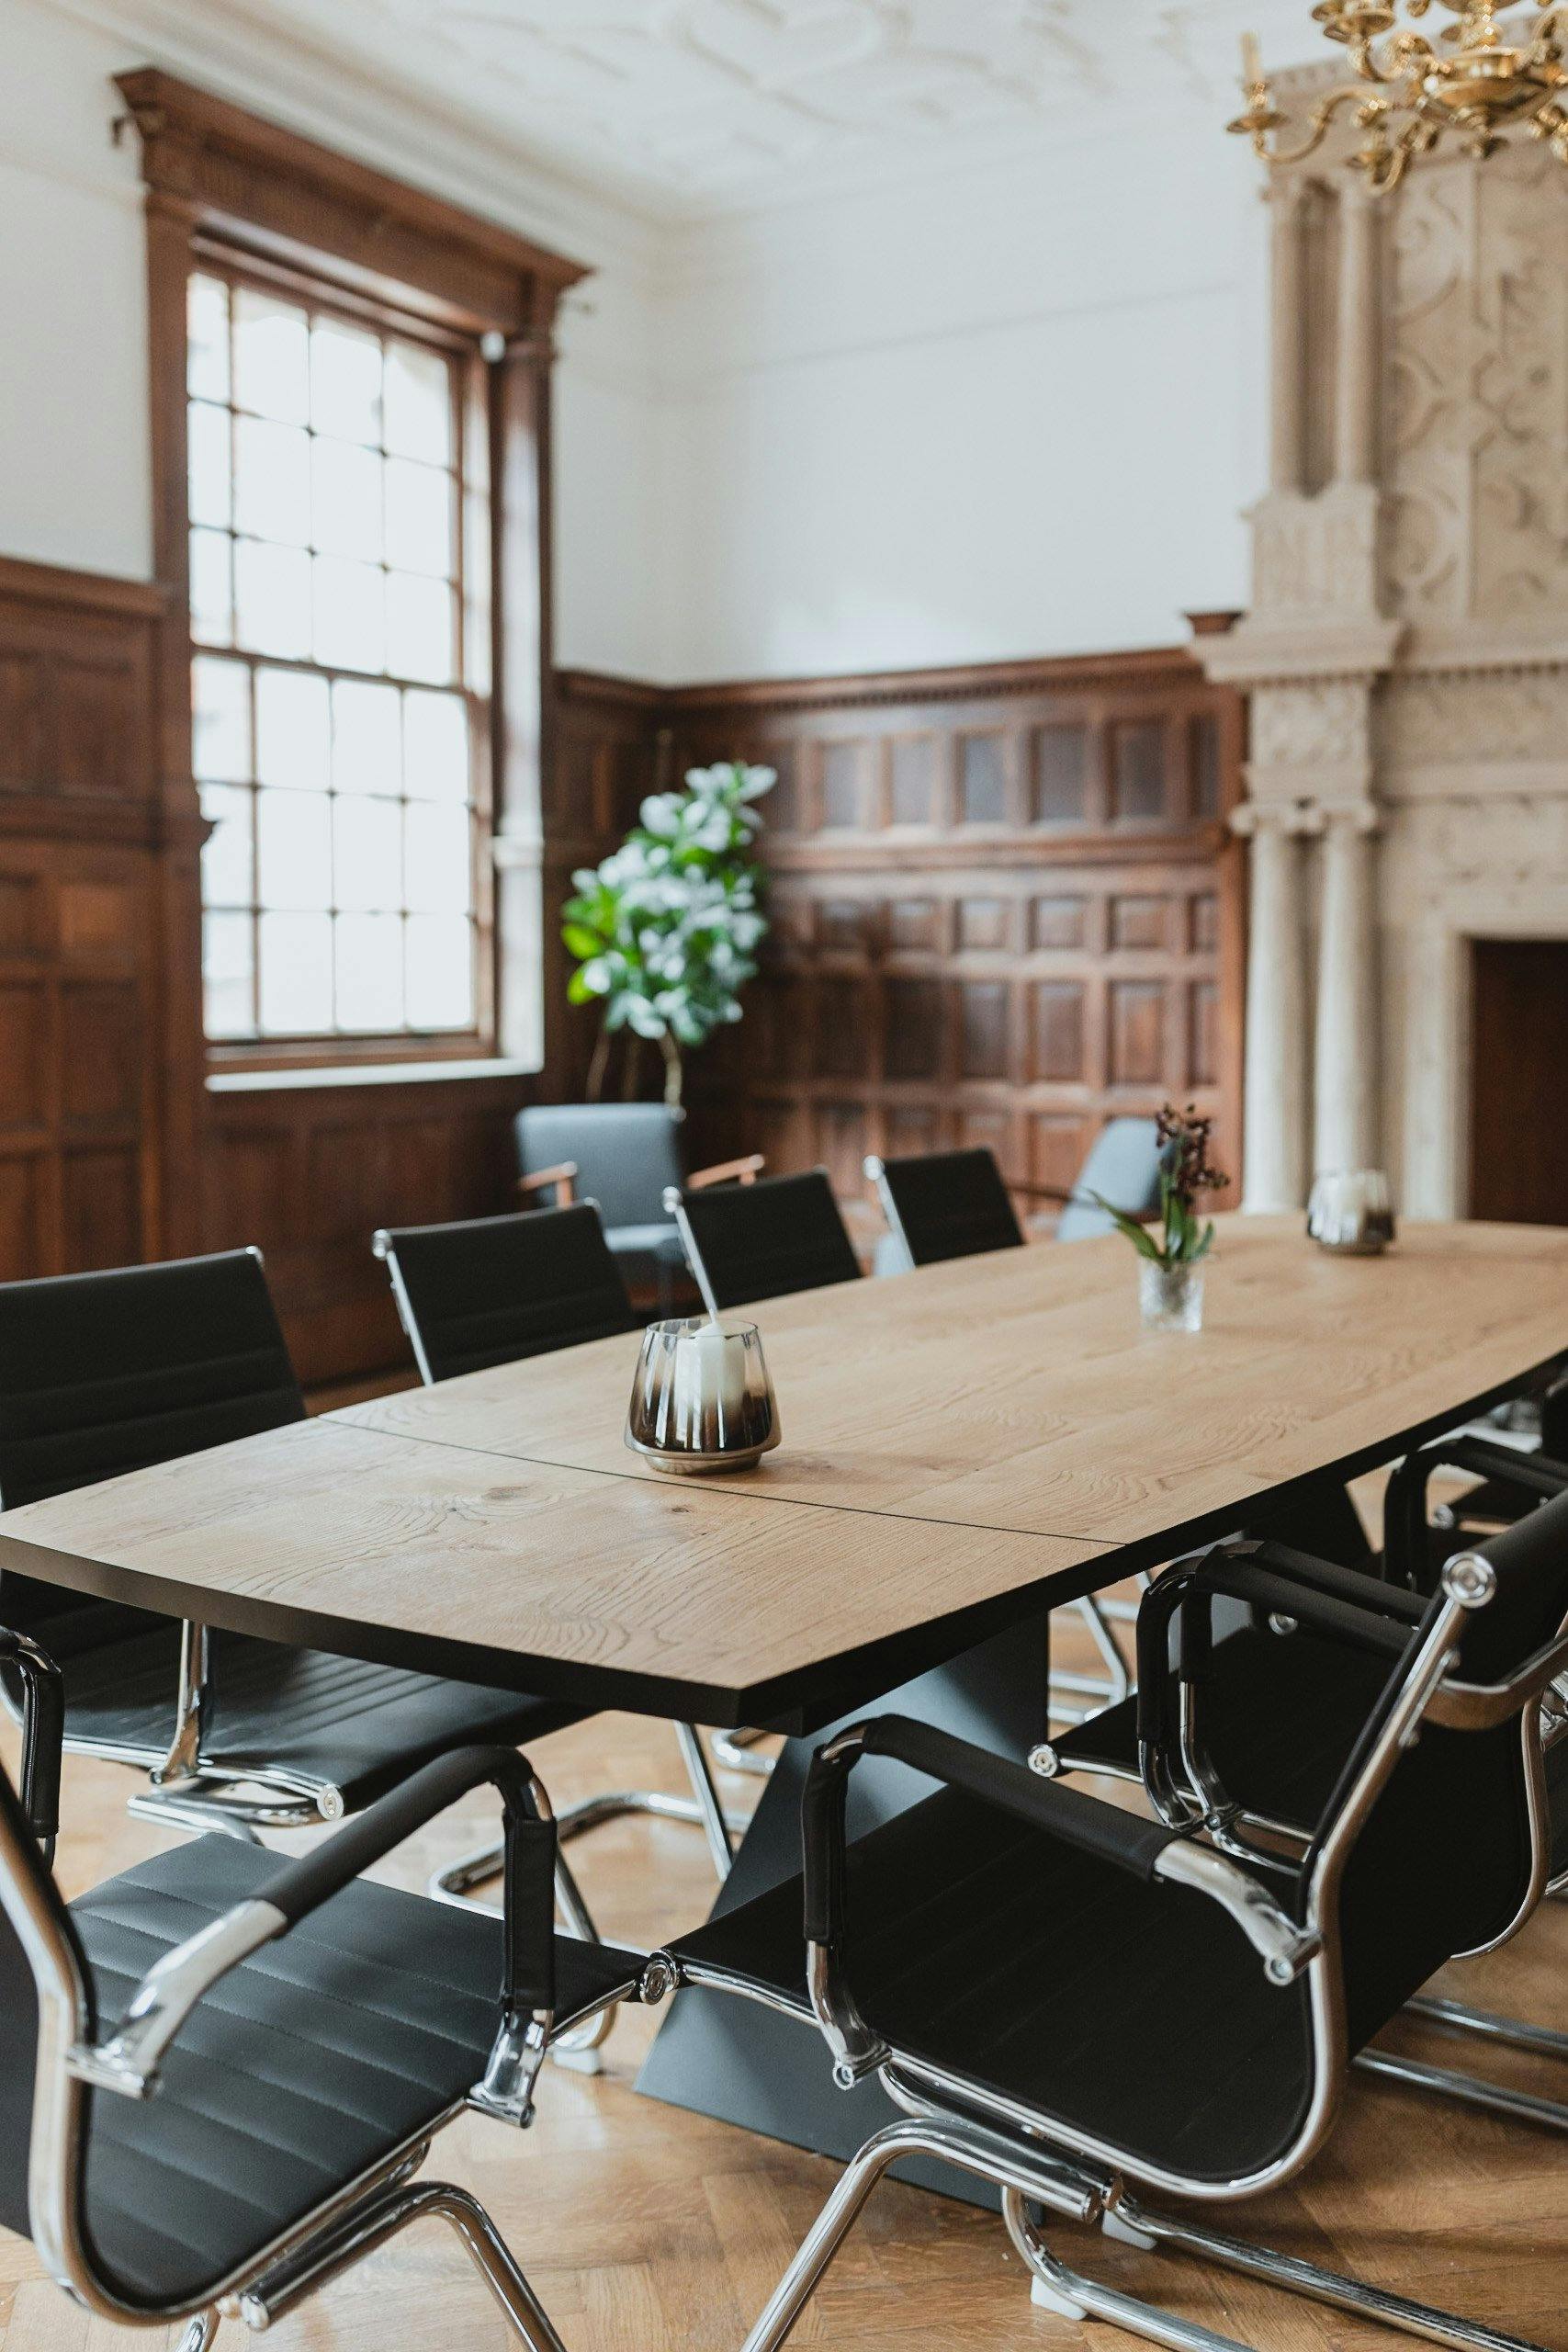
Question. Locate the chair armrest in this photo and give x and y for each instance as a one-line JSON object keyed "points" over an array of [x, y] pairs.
{"points": [[1340, 1603], [1147, 1850], [43, 1733], [744, 1171], [1053, 1193], [130, 2061], [1405, 1503], [562, 1181]]}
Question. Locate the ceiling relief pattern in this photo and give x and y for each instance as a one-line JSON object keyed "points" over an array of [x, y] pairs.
{"points": [[710, 101]]}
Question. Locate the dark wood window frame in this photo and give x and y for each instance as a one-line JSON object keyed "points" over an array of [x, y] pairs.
{"points": [[222, 183]]}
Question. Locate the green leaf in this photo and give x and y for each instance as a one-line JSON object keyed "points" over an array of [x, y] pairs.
{"points": [[1140, 1237], [582, 940]]}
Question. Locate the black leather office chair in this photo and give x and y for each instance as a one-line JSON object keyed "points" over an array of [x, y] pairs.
{"points": [[220, 2072], [102, 1374], [1086, 2008], [767, 1239], [945, 1204], [494, 1291], [1274, 1709], [624, 1156]]}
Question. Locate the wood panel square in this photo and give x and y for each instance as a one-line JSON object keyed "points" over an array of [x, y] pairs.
{"points": [[1059, 1146], [912, 1129], [23, 915], [913, 1013], [1140, 922], [842, 1146], [1136, 1033], [982, 1028], [844, 786], [914, 780], [94, 714], [914, 926], [1140, 788], [100, 1052], [97, 917], [100, 1208], [842, 1043], [24, 1054], [1059, 1032], [983, 779], [1204, 924], [22, 1252], [985, 924], [841, 925], [23, 758], [1204, 1035], [1061, 922], [1060, 778]]}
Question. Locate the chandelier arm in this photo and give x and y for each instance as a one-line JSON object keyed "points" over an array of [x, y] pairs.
{"points": [[1319, 124], [1406, 53]]}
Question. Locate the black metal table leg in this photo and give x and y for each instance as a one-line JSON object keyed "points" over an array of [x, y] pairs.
{"points": [[753, 2066]]}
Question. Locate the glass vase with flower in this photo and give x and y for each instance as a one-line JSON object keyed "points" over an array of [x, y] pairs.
{"points": [[1174, 1246]]}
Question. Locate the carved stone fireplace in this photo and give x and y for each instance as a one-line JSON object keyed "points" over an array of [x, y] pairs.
{"points": [[1406, 650]]}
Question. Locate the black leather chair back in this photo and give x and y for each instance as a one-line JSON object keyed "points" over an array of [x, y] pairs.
{"points": [[107, 1372], [950, 1204], [765, 1240], [497, 1289], [1445, 1860], [1554, 1420], [626, 1154]]}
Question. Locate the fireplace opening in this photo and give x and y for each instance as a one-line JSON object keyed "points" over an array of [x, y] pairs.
{"points": [[1518, 1134]]}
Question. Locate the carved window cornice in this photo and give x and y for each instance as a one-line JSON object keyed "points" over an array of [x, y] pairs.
{"points": [[271, 191]]}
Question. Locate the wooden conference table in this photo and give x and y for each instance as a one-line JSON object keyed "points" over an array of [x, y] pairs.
{"points": [[964, 1449]]}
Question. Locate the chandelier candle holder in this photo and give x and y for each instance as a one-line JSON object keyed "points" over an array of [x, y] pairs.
{"points": [[1475, 83]]}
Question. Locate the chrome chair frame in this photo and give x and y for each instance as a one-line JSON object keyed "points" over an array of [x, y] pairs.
{"points": [[362, 2215], [704, 1809], [1032, 2157], [1185, 1790]]}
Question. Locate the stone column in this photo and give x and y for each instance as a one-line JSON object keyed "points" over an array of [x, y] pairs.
{"points": [[1346, 1128], [1287, 371], [1275, 1138], [1356, 391]]}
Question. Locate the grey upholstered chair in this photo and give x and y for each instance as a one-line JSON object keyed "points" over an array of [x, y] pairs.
{"points": [[622, 1155]]}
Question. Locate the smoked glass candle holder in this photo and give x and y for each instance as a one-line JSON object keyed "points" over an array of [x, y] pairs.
{"points": [[702, 1399]]}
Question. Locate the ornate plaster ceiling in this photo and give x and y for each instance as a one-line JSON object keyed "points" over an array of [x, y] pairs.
{"points": [[705, 103]]}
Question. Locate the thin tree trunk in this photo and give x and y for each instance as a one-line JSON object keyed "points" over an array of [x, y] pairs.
{"points": [[631, 1065], [674, 1073], [599, 1067]]}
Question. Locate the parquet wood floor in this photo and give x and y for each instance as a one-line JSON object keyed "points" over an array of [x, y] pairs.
{"points": [[647, 2230]]}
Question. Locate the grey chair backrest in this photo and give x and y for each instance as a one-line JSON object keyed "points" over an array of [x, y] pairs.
{"points": [[625, 1153], [1122, 1167]]}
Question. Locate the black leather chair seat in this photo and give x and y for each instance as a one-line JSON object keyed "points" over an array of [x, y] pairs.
{"points": [[308, 2064], [1278, 1715], [362, 1728], [985, 1947]]}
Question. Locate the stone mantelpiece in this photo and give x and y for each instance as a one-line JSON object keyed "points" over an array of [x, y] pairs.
{"points": [[1406, 653]]}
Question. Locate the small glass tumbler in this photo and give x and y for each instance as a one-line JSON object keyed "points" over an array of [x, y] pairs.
{"points": [[1170, 1297], [702, 1399]]}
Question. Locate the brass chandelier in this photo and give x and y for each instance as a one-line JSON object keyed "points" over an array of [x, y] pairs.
{"points": [[1475, 83]]}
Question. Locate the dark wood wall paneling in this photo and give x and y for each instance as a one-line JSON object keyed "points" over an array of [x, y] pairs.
{"points": [[80, 958], [1005, 902]]}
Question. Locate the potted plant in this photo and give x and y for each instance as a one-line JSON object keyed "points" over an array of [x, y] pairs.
{"points": [[1171, 1254], [666, 930]]}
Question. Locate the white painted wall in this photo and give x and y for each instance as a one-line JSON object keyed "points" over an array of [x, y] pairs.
{"points": [[1011, 411]]}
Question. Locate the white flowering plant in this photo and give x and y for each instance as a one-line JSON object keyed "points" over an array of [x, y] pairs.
{"points": [[665, 931]]}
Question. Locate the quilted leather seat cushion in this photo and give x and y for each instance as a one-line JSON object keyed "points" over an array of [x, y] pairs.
{"points": [[1278, 1715], [989, 1948], [360, 1727], [308, 2064]]}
